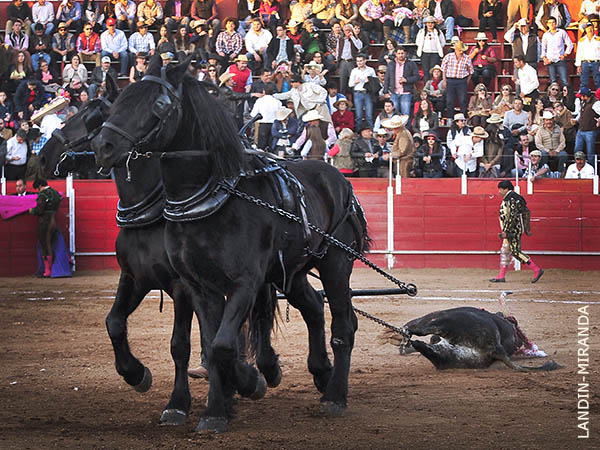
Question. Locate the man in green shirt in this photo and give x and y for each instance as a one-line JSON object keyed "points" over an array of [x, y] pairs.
{"points": [[48, 201]]}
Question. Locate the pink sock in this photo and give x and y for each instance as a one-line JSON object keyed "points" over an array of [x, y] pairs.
{"points": [[533, 266], [502, 272]]}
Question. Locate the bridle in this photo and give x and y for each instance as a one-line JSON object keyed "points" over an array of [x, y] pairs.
{"points": [[168, 103], [71, 144]]}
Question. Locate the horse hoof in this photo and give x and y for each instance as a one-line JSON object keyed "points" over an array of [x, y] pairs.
{"points": [[173, 417], [261, 388], [275, 382], [146, 382], [212, 424], [333, 409]]}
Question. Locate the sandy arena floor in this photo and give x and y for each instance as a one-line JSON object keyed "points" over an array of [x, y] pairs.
{"points": [[59, 387]]}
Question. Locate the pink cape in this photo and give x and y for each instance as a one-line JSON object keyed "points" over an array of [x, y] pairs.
{"points": [[13, 205]]}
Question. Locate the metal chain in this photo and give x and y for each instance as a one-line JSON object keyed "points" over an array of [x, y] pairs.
{"points": [[381, 322], [409, 288]]}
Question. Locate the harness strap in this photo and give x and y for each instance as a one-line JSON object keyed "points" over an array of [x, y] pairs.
{"points": [[163, 82], [120, 131]]}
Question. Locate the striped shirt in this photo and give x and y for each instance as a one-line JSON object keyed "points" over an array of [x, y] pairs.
{"points": [[139, 43], [453, 67]]}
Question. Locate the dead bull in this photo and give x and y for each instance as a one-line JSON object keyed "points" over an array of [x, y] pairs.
{"points": [[467, 338]]}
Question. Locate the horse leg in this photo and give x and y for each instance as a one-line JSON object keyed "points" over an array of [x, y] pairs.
{"points": [[335, 270], [309, 302], [176, 411], [128, 298], [263, 317]]}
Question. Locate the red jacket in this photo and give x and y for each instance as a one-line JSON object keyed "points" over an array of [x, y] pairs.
{"points": [[343, 121], [239, 78]]}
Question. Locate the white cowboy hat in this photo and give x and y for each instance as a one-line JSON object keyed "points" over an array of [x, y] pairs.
{"points": [[292, 24], [481, 36], [282, 113], [395, 121], [344, 100], [314, 65], [522, 23], [312, 95], [480, 132], [436, 67], [313, 114], [495, 118], [548, 115], [428, 19], [380, 132], [459, 116]]}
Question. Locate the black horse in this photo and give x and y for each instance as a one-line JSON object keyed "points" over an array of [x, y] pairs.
{"points": [[226, 246], [144, 267]]}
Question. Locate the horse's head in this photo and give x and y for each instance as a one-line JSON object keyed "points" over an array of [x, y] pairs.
{"points": [[144, 118], [56, 157]]}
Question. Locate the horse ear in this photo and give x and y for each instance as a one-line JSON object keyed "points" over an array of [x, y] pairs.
{"points": [[155, 65], [177, 72], [112, 91]]}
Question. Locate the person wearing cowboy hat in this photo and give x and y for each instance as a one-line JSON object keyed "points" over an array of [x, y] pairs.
{"points": [[384, 150], [364, 152], [403, 147], [588, 120], [489, 163], [342, 117], [524, 42], [580, 169], [141, 42], [340, 153], [556, 46], [550, 139], [285, 130], [483, 58], [205, 12], [430, 46], [313, 73], [467, 150], [231, 98], [457, 68], [316, 137], [435, 87]]}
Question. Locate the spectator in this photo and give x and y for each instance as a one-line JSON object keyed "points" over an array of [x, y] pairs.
{"points": [[17, 38], [587, 58], [526, 79], [28, 97], [246, 11], [371, 12], [39, 46], [109, 10], [430, 46], [91, 14], [524, 43], [332, 97], [165, 41], [177, 12], [286, 129], [114, 46], [490, 17], [397, 15], [63, 44], [362, 35], [383, 151], [364, 152], [399, 82], [48, 77], [552, 95], [427, 161], [74, 69], [229, 42], [425, 119], [138, 69], [589, 10], [98, 78], [387, 113], [348, 48], [151, 13], [503, 102], [316, 137], [537, 168], [16, 156], [315, 73], [88, 45], [342, 117], [18, 11], [43, 13], [125, 14], [324, 11], [480, 106], [435, 88], [69, 12], [295, 34], [457, 68], [555, 9], [523, 151], [293, 94], [419, 14], [403, 147], [340, 155], [267, 106], [331, 41], [551, 141], [483, 58], [280, 49], [564, 118], [257, 41], [19, 70], [264, 81], [211, 75], [535, 120], [556, 46], [359, 77], [312, 40], [6, 115], [489, 163], [467, 150], [300, 11], [269, 14], [515, 122], [346, 12], [588, 124], [443, 13], [388, 53], [580, 169], [142, 42]]}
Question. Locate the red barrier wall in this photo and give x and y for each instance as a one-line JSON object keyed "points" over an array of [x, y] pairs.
{"points": [[429, 215]]}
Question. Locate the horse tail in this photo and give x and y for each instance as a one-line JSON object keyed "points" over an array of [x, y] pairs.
{"points": [[263, 318]]}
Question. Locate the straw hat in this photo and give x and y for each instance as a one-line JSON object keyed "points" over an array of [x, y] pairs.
{"points": [[548, 115], [460, 45], [495, 118], [282, 113], [314, 65], [342, 100], [459, 116], [241, 58], [481, 36], [195, 24], [480, 132], [395, 121], [225, 77], [382, 68], [61, 25], [292, 24], [313, 114], [436, 67], [346, 133]]}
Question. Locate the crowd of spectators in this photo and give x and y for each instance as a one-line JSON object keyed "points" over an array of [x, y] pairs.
{"points": [[355, 84]]}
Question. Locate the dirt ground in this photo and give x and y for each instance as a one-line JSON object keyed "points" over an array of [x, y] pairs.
{"points": [[59, 387]]}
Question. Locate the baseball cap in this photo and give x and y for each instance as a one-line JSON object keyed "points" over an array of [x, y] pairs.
{"points": [[106, 59], [585, 91], [111, 21], [579, 155]]}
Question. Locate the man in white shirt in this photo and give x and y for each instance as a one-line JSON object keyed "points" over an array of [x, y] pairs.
{"points": [[257, 40], [16, 156], [467, 149], [526, 79], [114, 44], [43, 12], [588, 56], [267, 106], [359, 77], [556, 46], [580, 169]]}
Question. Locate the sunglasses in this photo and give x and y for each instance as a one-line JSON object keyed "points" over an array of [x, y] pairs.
{"points": [[211, 70]]}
